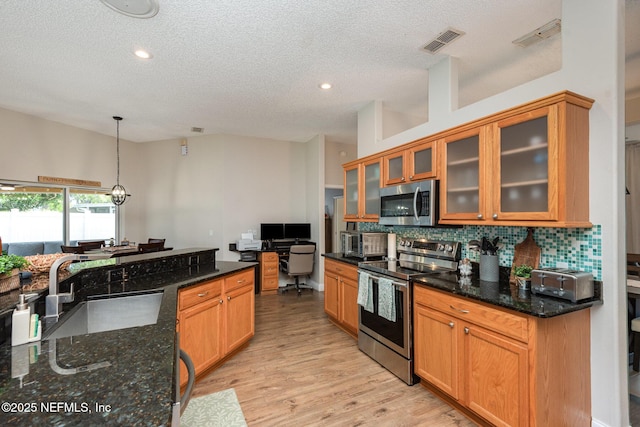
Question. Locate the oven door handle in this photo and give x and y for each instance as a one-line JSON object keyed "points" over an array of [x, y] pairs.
{"points": [[396, 283]]}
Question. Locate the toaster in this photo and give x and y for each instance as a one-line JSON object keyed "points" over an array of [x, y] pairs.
{"points": [[562, 283]]}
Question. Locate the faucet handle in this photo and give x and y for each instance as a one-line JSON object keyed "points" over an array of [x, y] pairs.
{"points": [[66, 296]]}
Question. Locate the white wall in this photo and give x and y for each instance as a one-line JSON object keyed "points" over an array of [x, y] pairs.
{"points": [[334, 161], [589, 27], [224, 186]]}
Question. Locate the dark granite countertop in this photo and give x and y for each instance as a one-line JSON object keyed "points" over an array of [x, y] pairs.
{"points": [[137, 388], [500, 293]]}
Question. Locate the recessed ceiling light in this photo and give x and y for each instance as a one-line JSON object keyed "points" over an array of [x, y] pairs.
{"points": [[324, 86], [140, 53], [134, 8]]}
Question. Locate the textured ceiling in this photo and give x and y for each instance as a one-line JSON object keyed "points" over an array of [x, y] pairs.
{"points": [[252, 68]]}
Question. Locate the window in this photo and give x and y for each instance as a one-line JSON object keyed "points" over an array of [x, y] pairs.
{"points": [[32, 213]]}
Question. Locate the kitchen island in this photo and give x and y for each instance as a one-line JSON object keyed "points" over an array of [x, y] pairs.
{"points": [[53, 383]]}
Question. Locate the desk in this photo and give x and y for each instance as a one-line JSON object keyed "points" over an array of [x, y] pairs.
{"points": [[267, 273]]}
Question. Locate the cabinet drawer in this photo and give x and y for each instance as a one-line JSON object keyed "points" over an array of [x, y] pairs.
{"points": [[269, 283], [238, 280], [270, 269], [269, 257], [342, 269], [508, 324], [200, 293]]}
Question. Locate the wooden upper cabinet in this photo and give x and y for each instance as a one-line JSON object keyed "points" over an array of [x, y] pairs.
{"points": [[462, 187], [525, 166], [421, 161], [414, 163], [362, 190]]}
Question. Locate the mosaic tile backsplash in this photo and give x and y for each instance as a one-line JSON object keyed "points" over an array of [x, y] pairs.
{"points": [[575, 248]]}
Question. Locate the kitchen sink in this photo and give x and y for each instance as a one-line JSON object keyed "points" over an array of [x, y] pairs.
{"points": [[108, 314]]}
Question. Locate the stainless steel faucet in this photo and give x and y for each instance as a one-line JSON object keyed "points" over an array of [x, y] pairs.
{"points": [[55, 299]]}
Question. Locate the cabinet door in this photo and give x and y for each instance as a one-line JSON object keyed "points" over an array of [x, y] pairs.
{"points": [[269, 272], [525, 163], [351, 192], [394, 168], [331, 294], [422, 161], [463, 179], [199, 328], [349, 304], [239, 316], [370, 191], [496, 377], [436, 349]]}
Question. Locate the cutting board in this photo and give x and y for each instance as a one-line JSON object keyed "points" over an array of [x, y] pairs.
{"points": [[526, 252]]}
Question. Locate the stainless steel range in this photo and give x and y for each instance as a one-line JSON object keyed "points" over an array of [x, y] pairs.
{"points": [[385, 296]]}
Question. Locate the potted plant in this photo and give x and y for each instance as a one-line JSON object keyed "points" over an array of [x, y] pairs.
{"points": [[10, 266], [523, 275], [8, 263]]}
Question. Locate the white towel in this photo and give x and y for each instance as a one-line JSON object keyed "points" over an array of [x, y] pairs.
{"points": [[365, 291], [386, 299]]}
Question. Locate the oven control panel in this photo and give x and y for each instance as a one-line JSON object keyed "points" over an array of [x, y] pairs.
{"points": [[435, 248]]}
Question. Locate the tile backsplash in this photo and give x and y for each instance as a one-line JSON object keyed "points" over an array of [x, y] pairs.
{"points": [[576, 248]]}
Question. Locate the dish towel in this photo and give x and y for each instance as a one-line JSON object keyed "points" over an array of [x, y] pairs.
{"points": [[365, 291], [386, 299]]}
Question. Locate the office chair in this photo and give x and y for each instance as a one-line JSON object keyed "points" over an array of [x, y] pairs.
{"points": [[150, 247], [300, 263]]}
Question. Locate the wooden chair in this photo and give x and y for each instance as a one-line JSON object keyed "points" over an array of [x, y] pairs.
{"points": [[93, 244], [72, 249], [152, 240], [633, 272], [150, 247]]}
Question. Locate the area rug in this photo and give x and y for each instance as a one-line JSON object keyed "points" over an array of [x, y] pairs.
{"points": [[220, 409]]}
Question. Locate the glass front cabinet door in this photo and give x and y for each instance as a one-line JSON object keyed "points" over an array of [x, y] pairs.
{"points": [[421, 161], [524, 158], [362, 190], [463, 177]]}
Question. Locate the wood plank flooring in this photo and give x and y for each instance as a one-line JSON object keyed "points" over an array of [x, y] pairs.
{"points": [[301, 370]]}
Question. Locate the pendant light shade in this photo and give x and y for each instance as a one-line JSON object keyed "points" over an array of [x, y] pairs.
{"points": [[118, 193]]}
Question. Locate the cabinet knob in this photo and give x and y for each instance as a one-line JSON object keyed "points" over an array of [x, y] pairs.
{"points": [[411, 177], [479, 216], [466, 330], [451, 324], [228, 298], [402, 179], [495, 216], [221, 301]]}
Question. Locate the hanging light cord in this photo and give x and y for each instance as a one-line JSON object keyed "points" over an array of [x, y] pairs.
{"points": [[117, 119]]}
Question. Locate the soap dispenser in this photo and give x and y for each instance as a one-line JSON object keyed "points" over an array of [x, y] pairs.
{"points": [[20, 323]]}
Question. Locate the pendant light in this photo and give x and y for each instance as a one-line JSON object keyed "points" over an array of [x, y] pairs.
{"points": [[118, 193]]}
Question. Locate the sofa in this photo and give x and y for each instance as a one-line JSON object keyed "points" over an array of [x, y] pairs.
{"points": [[33, 248]]}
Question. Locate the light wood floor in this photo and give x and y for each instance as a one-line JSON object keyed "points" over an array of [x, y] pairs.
{"points": [[301, 370]]}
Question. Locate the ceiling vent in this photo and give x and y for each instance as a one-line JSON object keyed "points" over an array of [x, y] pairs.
{"points": [[539, 34], [198, 130], [444, 38]]}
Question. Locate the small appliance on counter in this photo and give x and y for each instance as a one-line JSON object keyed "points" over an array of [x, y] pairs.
{"points": [[360, 244], [572, 285]]}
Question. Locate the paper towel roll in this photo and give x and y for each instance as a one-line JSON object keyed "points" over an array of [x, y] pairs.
{"points": [[391, 246]]}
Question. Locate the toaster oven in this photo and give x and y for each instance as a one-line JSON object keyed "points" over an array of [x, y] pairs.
{"points": [[360, 244]]}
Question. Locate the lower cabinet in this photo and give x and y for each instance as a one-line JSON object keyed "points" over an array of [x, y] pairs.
{"points": [[341, 294], [268, 272], [215, 318], [508, 368]]}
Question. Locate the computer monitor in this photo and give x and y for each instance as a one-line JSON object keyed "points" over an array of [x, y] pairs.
{"points": [[297, 231], [271, 231]]}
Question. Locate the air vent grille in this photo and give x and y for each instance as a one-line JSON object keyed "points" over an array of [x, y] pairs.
{"points": [[195, 129], [443, 39]]}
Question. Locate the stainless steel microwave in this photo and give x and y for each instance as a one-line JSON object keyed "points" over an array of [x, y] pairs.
{"points": [[360, 244], [414, 204]]}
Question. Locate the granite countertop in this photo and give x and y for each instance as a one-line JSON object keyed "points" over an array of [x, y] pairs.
{"points": [[500, 293], [138, 387]]}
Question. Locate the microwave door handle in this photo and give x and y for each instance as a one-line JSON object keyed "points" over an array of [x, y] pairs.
{"points": [[415, 204]]}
